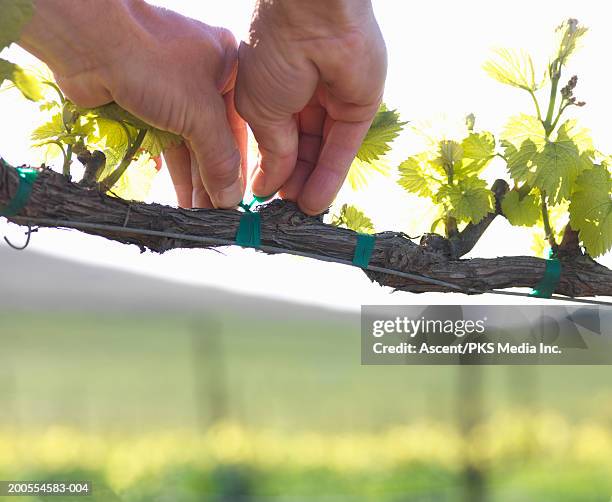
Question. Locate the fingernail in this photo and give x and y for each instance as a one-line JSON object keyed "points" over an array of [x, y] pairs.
{"points": [[229, 197]]}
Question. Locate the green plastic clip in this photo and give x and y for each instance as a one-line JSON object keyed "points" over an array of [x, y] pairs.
{"points": [[552, 275], [27, 177], [364, 250], [249, 230]]}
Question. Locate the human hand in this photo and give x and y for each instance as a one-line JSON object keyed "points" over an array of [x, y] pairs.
{"points": [[310, 82], [173, 72]]}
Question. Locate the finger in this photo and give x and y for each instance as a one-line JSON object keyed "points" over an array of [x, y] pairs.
{"points": [[268, 105], [337, 155], [294, 186], [240, 132], [216, 152], [278, 147], [178, 161], [199, 196], [311, 121]]}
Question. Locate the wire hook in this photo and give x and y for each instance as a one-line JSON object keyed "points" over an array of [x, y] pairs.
{"points": [[27, 242]]}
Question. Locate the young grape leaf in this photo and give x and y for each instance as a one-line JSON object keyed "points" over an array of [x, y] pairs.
{"points": [[552, 166], [468, 201], [591, 210], [138, 179], [478, 150], [385, 128], [418, 176], [15, 15], [524, 212], [157, 141], [450, 151], [479, 146], [514, 68], [569, 35], [112, 137], [28, 85], [48, 106], [360, 172], [450, 154], [354, 219], [84, 127], [522, 139], [112, 134], [562, 161], [51, 130]]}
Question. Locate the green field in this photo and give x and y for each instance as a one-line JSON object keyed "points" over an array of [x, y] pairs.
{"points": [[120, 372], [121, 381]]}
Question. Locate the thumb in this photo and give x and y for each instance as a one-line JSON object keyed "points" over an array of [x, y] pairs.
{"points": [[216, 151]]}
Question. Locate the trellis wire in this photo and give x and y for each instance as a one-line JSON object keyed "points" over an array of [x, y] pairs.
{"points": [[214, 241]]}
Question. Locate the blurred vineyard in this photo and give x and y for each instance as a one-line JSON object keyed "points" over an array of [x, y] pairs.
{"points": [[238, 401], [520, 456]]}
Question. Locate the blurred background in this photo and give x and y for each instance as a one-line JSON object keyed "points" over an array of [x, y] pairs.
{"points": [[159, 391], [236, 377]]}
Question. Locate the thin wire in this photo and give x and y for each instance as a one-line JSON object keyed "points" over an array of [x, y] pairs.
{"points": [[214, 241], [27, 242]]}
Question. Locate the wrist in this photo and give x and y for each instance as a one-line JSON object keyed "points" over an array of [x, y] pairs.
{"points": [[78, 37]]}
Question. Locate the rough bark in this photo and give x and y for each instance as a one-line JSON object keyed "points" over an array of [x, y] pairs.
{"points": [[283, 227]]}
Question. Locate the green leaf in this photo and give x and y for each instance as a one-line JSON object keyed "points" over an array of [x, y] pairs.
{"points": [[385, 128], [569, 36], [524, 212], [51, 130], [361, 172], [478, 151], [138, 179], [112, 138], [84, 127], [418, 176], [29, 86], [49, 106], [354, 219], [450, 154], [156, 141], [479, 146], [468, 201], [14, 16], [523, 138], [514, 68], [552, 166], [563, 160], [112, 134], [591, 210]]}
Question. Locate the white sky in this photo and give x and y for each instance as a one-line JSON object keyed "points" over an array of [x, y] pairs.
{"points": [[436, 50]]}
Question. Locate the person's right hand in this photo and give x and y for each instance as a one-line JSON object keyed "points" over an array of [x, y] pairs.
{"points": [[310, 82], [170, 71]]}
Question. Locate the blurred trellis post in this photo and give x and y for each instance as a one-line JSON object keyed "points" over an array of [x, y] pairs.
{"points": [[210, 372]]}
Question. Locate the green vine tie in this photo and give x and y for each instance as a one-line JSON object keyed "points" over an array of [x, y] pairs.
{"points": [[27, 177], [552, 275]]}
